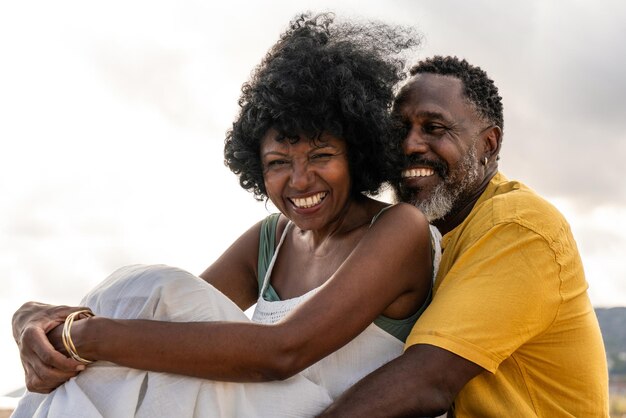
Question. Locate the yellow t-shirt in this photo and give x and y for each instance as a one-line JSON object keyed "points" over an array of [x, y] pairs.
{"points": [[511, 296]]}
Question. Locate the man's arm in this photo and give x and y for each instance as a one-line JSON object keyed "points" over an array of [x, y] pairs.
{"points": [[422, 382]]}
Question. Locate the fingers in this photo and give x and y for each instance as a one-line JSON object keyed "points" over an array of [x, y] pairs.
{"points": [[52, 316], [36, 348], [43, 379], [45, 367], [55, 337], [41, 315]]}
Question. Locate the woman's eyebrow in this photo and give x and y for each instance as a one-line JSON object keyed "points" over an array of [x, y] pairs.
{"points": [[277, 153], [324, 145]]}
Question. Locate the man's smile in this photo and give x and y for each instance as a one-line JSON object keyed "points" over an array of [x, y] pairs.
{"points": [[418, 172]]}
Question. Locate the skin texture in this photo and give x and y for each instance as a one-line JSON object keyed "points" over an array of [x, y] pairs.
{"points": [[443, 126]]}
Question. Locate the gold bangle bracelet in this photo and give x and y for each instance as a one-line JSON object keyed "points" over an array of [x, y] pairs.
{"points": [[66, 336]]}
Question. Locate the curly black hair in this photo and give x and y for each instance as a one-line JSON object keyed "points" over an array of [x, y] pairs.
{"points": [[324, 77], [479, 89]]}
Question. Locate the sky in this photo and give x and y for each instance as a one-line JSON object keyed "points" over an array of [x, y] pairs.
{"points": [[113, 114]]}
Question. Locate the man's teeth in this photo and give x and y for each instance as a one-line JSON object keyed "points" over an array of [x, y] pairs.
{"points": [[307, 202], [418, 172]]}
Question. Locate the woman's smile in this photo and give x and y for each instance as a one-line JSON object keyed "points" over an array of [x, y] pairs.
{"points": [[308, 202]]}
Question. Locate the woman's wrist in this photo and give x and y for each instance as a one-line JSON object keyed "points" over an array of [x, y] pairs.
{"points": [[85, 337]]}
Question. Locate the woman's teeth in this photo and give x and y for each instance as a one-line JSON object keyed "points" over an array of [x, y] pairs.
{"points": [[307, 202]]}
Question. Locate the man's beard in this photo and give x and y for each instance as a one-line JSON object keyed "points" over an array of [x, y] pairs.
{"points": [[447, 194]]}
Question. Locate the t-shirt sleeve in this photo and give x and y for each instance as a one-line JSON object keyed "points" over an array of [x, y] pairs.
{"points": [[502, 290]]}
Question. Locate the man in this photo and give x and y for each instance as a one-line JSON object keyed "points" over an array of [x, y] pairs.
{"points": [[510, 331]]}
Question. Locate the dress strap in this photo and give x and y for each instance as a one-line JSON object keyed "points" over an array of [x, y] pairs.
{"points": [[380, 213], [264, 280], [267, 245]]}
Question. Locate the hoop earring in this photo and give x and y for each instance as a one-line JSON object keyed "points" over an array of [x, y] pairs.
{"points": [[485, 160]]}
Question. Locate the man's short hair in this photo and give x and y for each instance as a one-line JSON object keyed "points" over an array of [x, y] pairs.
{"points": [[479, 89]]}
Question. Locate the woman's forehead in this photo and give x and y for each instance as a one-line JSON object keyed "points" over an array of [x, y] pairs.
{"points": [[277, 141]]}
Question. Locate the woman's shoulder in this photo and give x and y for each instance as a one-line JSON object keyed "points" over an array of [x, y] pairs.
{"points": [[404, 222], [402, 213]]}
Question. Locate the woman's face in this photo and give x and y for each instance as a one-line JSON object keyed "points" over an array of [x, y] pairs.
{"points": [[309, 181]]}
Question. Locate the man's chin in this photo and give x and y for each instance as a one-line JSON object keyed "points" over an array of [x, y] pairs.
{"points": [[435, 204], [432, 214], [408, 195], [415, 197]]}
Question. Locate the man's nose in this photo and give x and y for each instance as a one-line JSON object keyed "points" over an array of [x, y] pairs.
{"points": [[301, 175], [414, 143]]}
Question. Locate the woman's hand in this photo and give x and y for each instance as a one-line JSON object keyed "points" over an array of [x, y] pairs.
{"points": [[45, 367]]}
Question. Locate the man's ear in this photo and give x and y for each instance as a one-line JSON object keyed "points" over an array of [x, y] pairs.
{"points": [[492, 141]]}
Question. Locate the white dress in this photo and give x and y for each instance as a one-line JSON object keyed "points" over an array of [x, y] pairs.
{"points": [[170, 294]]}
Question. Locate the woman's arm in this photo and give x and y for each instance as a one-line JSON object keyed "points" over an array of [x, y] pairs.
{"points": [[391, 260], [234, 273]]}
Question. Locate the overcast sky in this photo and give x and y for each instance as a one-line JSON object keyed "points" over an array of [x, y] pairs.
{"points": [[112, 120]]}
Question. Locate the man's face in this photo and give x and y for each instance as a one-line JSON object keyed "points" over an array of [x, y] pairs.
{"points": [[442, 168]]}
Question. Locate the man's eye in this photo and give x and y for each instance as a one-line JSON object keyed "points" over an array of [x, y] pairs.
{"points": [[434, 128]]}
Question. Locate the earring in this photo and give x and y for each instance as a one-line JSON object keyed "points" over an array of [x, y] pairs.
{"points": [[485, 160]]}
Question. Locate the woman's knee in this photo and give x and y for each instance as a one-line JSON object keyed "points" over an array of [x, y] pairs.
{"points": [[142, 292]]}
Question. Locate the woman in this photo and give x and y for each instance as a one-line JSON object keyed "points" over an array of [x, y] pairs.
{"points": [[338, 278]]}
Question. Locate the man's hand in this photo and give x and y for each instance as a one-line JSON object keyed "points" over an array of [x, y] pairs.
{"points": [[45, 367]]}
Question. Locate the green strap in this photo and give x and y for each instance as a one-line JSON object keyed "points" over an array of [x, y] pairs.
{"points": [[267, 245]]}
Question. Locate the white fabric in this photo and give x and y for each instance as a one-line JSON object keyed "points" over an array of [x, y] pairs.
{"points": [[107, 390], [346, 366], [267, 312], [436, 240]]}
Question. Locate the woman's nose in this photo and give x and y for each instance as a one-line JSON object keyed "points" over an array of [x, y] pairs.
{"points": [[301, 175]]}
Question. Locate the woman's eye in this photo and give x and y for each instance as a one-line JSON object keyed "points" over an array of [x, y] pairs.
{"points": [[276, 163], [322, 156]]}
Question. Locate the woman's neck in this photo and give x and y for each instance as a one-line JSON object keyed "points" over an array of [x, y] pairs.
{"points": [[358, 212]]}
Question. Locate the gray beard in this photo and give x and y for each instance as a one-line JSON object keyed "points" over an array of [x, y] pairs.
{"points": [[439, 204], [447, 194]]}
